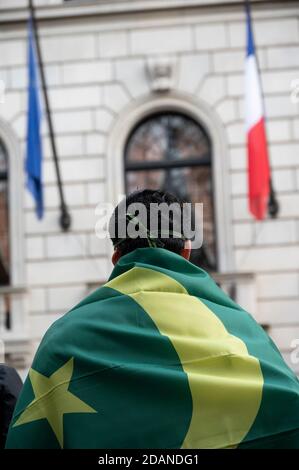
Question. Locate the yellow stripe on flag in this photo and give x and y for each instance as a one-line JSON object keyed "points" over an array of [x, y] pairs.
{"points": [[225, 381]]}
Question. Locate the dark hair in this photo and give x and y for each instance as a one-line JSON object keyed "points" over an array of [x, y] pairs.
{"points": [[147, 197]]}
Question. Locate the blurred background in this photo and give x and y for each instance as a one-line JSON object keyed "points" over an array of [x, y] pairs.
{"points": [[146, 93]]}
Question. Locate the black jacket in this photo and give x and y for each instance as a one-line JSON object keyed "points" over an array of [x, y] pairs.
{"points": [[10, 387]]}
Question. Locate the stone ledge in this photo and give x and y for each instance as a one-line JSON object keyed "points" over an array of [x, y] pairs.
{"points": [[18, 350], [12, 290]]}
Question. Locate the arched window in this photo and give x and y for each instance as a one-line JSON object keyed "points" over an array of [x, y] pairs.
{"points": [[13, 319], [172, 152], [4, 218]]}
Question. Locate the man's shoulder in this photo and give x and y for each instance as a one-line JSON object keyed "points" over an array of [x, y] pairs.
{"points": [[5, 371], [8, 376]]}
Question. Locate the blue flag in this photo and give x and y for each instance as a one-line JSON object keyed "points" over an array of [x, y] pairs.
{"points": [[34, 157]]}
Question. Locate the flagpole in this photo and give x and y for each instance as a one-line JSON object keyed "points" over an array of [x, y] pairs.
{"points": [[273, 205], [65, 218]]}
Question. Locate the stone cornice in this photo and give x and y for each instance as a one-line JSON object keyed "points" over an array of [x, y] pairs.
{"points": [[77, 9]]}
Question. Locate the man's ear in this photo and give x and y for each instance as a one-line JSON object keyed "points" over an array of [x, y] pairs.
{"points": [[186, 251], [116, 255]]}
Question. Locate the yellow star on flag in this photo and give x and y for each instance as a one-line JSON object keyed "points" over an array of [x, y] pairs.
{"points": [[53, 400]]}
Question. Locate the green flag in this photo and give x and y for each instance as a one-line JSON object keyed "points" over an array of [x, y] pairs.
{"points": [[159, 357]]}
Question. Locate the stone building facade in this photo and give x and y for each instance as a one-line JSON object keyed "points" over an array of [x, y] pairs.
{"points": [[110, 66]]}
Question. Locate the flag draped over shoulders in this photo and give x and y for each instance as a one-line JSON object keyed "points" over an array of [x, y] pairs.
{"points": [[159, 357]]}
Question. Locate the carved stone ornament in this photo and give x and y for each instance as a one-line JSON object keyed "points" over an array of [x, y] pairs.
{"points": [[161, 73]]}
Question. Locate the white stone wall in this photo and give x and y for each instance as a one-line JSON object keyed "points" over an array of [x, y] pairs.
{"points": [[95, 68], [5, 4]]}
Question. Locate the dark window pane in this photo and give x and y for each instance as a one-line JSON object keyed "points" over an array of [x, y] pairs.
{"points": [[167, 137], [4, 221]]}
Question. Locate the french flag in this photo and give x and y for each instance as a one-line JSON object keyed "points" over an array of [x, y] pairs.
{"points": [[258, 159]]}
